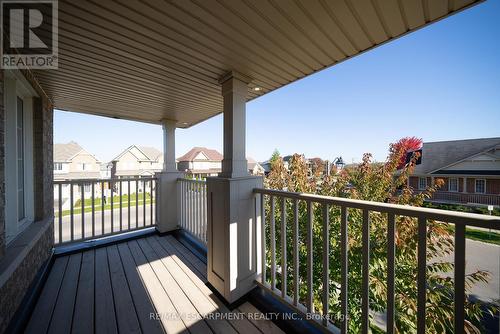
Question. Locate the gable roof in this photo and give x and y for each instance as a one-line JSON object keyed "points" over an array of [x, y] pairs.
{"points": [[212, 155], [65, 152], [437, 155], [151, 153]]}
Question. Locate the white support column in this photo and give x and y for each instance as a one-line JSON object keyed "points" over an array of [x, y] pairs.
{"points": [[234, 92], [167, 208], [233, 212], [169, 146], [465, 185]]}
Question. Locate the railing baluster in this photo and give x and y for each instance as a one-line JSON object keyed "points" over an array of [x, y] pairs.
{"points": [[151, 202], [121, 205], [459, 278], [128, 203], [309, 244], [295, 252], [365, 299], [344, 269], [263, 236], [60, 213], [71, 209], [326, 261], [284, 268], [83, 210], [93, 209], [102, 207], [273, 245], [422, 271], [391, 248], [112, 186], [137, 202], [143, 202]]}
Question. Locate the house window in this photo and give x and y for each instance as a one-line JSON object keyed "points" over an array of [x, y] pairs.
{"points": [[18, 162], [83, 167], [21, 213], [58, 166], [422, 183], [453, 184], [480, 186], [87, 187]]}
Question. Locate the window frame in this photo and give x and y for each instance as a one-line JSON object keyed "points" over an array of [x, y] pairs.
{"points": [[419, 183], [17, 87], [484, 186], [449, 185], [58, 164]]}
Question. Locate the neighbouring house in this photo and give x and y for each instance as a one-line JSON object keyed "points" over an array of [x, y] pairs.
{"points": [[469, 168], [200, 162], [135, 162], [254, 168], [72, 162]]}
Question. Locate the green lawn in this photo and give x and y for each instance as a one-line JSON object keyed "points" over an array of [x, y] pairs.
{"points": [[116, 199], [481, 235], [116, 205]]}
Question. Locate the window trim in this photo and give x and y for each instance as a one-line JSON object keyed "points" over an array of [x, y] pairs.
{"points": [[16, 86], [419, 184], [475, 186], [449, 185]]}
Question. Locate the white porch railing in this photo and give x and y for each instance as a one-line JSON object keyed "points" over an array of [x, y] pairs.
{"points": [[458, 219], [193, 208], [466, 198], [88, 208]]}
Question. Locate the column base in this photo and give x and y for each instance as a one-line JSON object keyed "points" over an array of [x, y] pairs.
{"points": [[166, 206], [233, 216]]}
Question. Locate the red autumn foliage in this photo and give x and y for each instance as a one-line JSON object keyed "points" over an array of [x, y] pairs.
{"points": [[403, 146]]}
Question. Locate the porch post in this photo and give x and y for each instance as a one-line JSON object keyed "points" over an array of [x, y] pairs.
{"points": [[166, 208], [232, 208]]}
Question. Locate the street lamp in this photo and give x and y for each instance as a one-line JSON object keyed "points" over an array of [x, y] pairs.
{"points": [[339, 163]]}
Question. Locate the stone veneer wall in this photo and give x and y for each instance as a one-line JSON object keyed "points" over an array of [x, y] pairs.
{"points": [[15, 286]]}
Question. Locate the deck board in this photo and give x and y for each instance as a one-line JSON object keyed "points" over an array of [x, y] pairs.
{"points": [[83, 318], [105, 319], [126, 316], [149, 285], [63, 311], [40, 318]]}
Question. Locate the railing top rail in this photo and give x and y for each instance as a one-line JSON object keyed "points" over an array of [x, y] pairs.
{"points": [[190, 180], [76, 181], [492, 222]]}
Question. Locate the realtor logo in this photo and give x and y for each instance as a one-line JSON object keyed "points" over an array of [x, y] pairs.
{"points": [[29, 34]]}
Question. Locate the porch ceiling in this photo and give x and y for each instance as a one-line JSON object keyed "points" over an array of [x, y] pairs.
{"points": [[148, 60]]}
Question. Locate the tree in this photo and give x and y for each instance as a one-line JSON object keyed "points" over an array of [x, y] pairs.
{"points": [[375, 182]]}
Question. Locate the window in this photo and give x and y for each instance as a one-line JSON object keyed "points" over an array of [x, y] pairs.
{"points": [[453, 184], [82, 166], [87, 187], [21, 213], [422, 183], [18, 162], [58, 166], [480, 186]]}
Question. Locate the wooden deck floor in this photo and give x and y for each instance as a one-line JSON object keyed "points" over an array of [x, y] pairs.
{"points": [[148, 285]]}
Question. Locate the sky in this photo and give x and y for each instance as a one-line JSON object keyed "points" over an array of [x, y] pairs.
{"points": [[439, 83]]}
